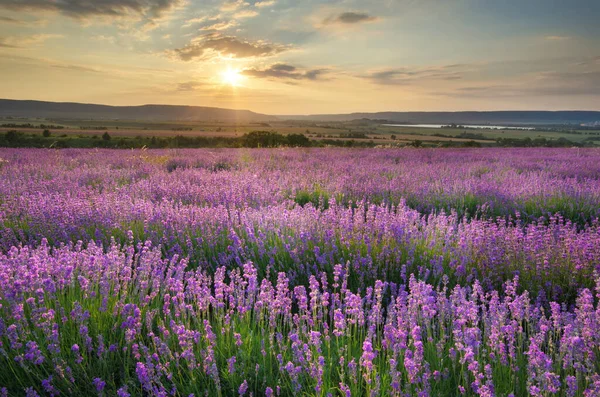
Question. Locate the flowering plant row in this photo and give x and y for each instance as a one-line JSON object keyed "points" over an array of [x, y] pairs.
{"points": [[127, 322]]}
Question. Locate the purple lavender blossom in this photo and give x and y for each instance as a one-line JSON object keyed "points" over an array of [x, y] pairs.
{"points": [[243, 388]]}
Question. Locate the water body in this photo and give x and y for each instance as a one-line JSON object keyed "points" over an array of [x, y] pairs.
{"points": [[479, 127]]}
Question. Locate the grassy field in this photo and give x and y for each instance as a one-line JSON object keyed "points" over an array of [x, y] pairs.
{"points": [[572, 135], [356, 130]]}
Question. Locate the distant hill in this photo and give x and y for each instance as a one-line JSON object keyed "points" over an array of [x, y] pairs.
{"points": [[500, 117], [42, 109], [16, 108]]}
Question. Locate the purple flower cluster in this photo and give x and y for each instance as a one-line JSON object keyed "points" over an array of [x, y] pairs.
{"points": [[371, 272], [240, 335], [191, 212]]}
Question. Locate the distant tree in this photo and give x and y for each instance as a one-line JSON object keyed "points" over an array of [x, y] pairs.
{"points": [[12, 136], [417, 143], [472, 144], [393, 137], [46, 133], [263, 139], [106, 136], [298, 140]]}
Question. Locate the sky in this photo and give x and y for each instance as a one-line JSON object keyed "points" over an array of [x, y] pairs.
{"points": [[290, 57]]}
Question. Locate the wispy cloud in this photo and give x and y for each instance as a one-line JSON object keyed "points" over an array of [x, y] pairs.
{"points": [[5, 43], [265, 3], [590, 87], [188, 86], [245, 14], [557, 38], [211, 23], [26, 41], [11, 20], [231, 6], [77, 68], [220, 25], [105, 38], [193, 21], [282, 71], [213, 45], [545, 78], [84, 9], [349, 18], [402, 76], [53, 63]]}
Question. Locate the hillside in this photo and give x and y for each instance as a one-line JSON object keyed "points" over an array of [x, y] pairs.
{"points": [[496, 117], [15, 108], [72, 110]]}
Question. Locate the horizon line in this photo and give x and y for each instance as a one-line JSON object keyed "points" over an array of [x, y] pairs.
{"points": [[305, 114]]}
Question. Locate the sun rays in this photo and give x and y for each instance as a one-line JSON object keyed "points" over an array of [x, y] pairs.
{"points": [[231, 77]]}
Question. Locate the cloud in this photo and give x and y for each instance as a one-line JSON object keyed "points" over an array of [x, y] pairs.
{"points": [[221, 25], [5, 43], [536, 84], [109, 71], [245, 14], [403, 76], [349, 18], [188, 86], [11, 20], [51, 63], [76, 68], [231, 6], [193, 21], [211, 23], [557, 38], [284, 71], [567, 83], [26, 41], [104, 38], [265, 3], [213, 45], [513, 91], [84, 9], [589, 61]]}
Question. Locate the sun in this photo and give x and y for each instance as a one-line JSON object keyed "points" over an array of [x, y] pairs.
{"points": [[232, 77]]}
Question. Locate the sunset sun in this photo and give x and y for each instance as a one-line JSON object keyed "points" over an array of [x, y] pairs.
{"points": [[231, 77]]}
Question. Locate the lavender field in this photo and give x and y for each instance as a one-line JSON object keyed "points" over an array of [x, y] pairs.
{"points": [[300, 272]]}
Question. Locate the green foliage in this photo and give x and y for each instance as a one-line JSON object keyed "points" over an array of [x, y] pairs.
{"points": [[13, 136], [254, 139], [537, 142], [472, 144], [264, 139], [318, 198], [298, 140]]}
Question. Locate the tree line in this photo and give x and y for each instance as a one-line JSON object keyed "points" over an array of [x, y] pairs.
{"points": [[254, 139]]}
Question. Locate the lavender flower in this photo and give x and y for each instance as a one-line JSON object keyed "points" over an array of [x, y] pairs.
{"points": [[243, 388]]}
